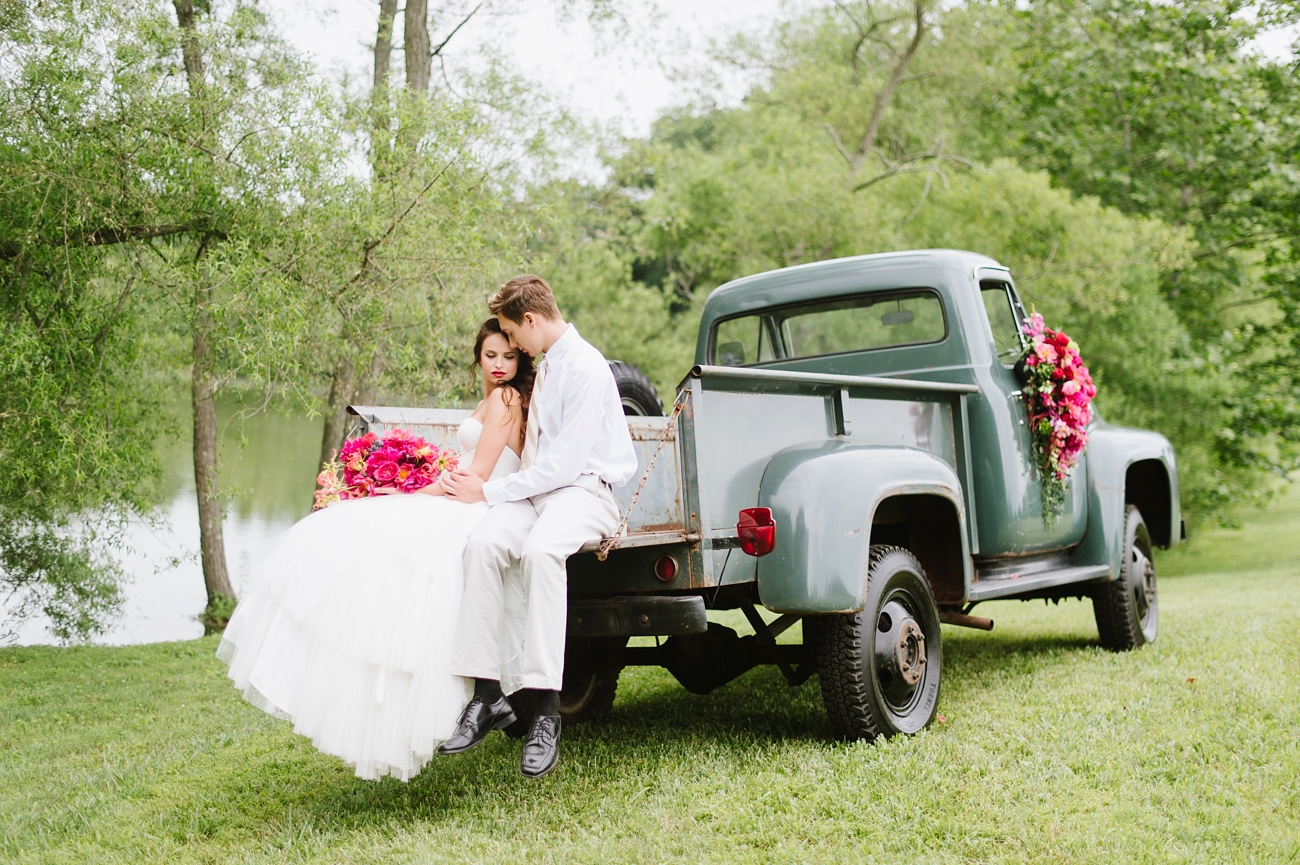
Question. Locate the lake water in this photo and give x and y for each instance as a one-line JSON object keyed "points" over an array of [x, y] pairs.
{"points": [[272, 474]]}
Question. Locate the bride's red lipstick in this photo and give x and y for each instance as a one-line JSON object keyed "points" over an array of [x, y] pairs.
{"points": [[496, 373]]}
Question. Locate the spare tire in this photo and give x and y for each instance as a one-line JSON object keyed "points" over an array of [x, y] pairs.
{"points": [[635, 391]]}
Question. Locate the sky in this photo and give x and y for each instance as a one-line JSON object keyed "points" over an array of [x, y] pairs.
{"points": [[624, 83], [621, 83]]}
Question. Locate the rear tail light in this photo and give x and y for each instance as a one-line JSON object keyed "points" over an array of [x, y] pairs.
{"points": [[757, 531], [666, 568]]}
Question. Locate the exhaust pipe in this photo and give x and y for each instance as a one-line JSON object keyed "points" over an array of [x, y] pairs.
{"points": [[962, 620]]}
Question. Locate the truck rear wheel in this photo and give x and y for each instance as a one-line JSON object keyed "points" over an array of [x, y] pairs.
{"points": [[1127, 609], [880, 667]]}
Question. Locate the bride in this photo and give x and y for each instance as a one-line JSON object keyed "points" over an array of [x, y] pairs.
{"points": [[348, 629]]}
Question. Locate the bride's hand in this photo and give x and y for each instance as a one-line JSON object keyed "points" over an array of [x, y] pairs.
{"points": [[433, 489], [463, 487]]}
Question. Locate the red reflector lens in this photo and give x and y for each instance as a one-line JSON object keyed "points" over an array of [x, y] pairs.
{"points": [[757, 531], [666, 568]]}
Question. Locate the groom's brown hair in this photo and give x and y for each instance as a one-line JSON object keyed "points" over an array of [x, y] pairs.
{"points": [[527, 293]]}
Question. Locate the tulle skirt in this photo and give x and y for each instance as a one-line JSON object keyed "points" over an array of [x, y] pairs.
{"points": [[348, 630]]}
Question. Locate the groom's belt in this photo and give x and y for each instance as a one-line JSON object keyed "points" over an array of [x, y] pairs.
{"points": [[592, 483]]}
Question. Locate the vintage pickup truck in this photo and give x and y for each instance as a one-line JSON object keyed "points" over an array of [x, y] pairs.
{"points": [[851, 451]]}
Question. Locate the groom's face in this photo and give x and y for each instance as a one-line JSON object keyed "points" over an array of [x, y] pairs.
{"points": [[524, 335]]}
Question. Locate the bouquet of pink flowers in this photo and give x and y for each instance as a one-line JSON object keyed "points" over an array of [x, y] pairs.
{"points": [[399, 461], [1058, 395]]}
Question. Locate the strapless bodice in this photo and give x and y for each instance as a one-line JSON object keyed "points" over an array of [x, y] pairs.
{"points": [[468, 434]]}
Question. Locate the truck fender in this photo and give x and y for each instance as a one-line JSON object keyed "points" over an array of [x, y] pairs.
{"points": [[1128, 466], [824, 497]]}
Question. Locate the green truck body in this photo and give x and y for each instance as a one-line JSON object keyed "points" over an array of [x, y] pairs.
{"points": [[872, 406]]}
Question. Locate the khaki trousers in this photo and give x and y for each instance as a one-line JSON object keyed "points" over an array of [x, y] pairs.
{"points": [[539, 534]]}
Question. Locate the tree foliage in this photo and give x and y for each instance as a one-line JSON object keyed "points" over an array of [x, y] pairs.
{"points": [[145, 193], [182, 196], [1132, 162], [1163, 110]]}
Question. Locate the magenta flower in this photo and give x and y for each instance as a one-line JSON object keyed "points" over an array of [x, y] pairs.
{"points": [[1060, 390], [399, 460]]}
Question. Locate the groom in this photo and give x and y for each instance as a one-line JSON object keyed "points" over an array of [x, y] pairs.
{"points": [[577, 445]]}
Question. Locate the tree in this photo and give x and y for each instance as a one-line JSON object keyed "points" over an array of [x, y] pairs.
{"points": [[716, 194], [1163, 110], [411, 238], [78, 417], [174, 198], [174, 163], [216, 578]]}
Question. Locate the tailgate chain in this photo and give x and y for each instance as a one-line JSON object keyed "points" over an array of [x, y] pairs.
{"points": [[602, 552]]}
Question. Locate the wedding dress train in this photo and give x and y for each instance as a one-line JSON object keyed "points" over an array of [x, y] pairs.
{"points": [[348, 629]]}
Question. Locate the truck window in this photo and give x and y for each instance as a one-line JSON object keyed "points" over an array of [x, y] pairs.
{"points": [[739, 341], [880, 320], [1002, 318]]}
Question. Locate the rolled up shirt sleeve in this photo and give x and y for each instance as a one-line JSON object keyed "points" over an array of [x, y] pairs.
{"points": [[566, 453]]}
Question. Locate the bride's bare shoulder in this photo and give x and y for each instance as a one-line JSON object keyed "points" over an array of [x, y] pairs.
{"points": [[504, 401], [508, 398]]}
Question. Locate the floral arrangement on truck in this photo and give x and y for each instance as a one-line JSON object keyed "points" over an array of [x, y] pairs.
{"points": [[1059, 393]]}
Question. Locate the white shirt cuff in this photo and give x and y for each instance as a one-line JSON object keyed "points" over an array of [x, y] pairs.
{"points": [[494, 491]]}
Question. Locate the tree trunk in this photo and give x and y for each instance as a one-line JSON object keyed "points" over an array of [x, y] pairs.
{"points": [[384, 42], [190, 45], [348, 386], [216, 579], [419, 56], [336, 412]]}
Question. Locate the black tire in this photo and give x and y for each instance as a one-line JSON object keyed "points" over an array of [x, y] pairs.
{"points": [[877, 677], [1128, 609], [637, 394], [591, 670]]}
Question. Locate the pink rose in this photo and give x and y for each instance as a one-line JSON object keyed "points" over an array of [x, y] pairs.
{"points": [[416, 481], [384, 472]]}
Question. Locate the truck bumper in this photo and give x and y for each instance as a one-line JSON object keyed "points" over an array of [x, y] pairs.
{"points": [[637, 617]]}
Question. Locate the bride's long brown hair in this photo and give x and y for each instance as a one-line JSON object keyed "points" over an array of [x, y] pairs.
{"points": [[522, 383]]}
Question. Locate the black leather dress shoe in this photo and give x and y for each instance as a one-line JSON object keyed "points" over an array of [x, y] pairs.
{"points": [[542, 747], [476, 722]]}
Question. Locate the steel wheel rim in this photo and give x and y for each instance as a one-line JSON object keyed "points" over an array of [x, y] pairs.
{"points": [[1142, 585], [899, 652]]}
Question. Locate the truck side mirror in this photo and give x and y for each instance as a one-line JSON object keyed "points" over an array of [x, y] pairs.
{"points": [[731, 354], [1022, 372]]}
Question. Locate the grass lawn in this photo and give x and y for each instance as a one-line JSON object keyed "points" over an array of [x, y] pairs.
{"points": [[1051, 750]]}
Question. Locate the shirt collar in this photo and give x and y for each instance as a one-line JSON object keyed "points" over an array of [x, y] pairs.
{"points": [[562, 345]]}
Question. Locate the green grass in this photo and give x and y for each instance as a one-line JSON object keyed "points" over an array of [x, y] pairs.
{"points": [[1051, 750]]}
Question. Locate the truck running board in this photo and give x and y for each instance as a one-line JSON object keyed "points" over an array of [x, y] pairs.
{"points": [[1010, 586]]}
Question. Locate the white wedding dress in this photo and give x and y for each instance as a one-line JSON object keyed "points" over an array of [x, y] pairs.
{"points": [[348, 629]]}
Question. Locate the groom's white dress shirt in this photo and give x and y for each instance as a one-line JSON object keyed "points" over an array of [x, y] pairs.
{"points": [[540, 516], [581, 428]]}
